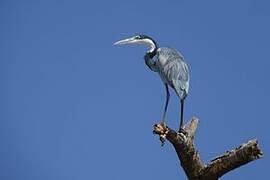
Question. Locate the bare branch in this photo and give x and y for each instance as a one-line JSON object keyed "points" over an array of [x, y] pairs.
{"points": [[233, 159], [189, 157], [184, 147]]}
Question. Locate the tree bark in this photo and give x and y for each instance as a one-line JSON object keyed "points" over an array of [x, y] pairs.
{"points": [[193, 166]]}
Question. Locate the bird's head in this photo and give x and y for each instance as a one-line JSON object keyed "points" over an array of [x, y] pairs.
{"points": [[139, 39]]}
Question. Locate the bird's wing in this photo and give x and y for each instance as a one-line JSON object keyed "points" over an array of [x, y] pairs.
{"points": [[176, 72], [183, 76]]}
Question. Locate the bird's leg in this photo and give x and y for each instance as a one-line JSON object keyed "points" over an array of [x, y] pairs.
{"points": [[166, 103], [182, 117]]}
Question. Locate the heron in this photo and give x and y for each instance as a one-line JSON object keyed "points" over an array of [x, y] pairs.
{"points": [[171, 67]]}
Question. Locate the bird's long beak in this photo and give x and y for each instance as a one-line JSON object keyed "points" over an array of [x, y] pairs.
{"points": [[126, 41]]}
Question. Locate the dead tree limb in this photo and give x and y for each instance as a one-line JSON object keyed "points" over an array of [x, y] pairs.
{"points": [[189, 157]]}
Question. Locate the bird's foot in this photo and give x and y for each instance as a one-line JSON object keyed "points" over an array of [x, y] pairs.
{"points": [[161, 129], [163, 123], [183, 131]]}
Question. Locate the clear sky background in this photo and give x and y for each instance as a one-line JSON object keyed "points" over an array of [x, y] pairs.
{"points": [[75, 107]]}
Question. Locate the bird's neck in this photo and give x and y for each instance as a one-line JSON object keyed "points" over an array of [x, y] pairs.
{"points": [[153, 49], [152, 45], [151, 53]]}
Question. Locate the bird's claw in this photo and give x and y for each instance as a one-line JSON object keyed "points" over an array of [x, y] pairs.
{"points": [[183, 131], [162, 139], [162, 130]]}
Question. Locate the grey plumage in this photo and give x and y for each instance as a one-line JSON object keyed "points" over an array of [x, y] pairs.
{"points": [[169, 64], [173, 70]]}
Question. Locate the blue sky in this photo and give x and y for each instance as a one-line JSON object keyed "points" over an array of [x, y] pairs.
{"points": [[75, 107]]}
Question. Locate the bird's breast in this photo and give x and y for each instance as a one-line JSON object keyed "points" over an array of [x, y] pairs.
{"points": [[161, 62]]}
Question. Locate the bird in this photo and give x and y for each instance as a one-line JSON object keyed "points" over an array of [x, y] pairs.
{"points": [[171, 67]]}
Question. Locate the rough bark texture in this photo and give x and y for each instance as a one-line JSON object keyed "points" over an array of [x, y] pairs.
{"points": [[189, 157]]}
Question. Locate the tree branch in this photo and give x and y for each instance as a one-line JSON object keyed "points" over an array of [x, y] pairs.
{"points": [[189, 157]]}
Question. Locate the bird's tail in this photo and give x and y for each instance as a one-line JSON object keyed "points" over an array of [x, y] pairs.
{"points": [[182, 115]]}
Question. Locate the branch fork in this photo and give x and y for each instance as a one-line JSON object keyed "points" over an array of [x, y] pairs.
{"points": [[189, 157]]}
